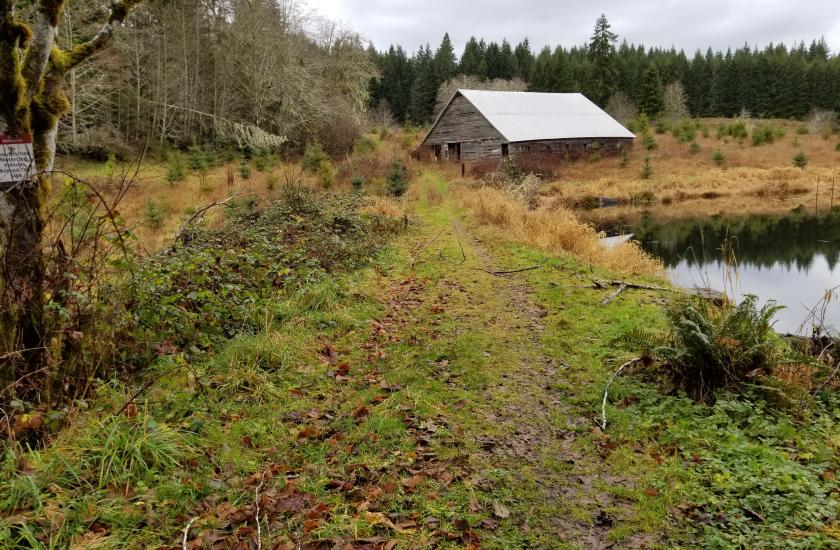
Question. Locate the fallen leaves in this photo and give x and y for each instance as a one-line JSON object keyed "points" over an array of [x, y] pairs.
{"points": [[500, 510]]}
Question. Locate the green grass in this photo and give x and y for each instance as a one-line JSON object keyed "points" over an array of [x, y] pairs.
{"points": [[355, 402]]}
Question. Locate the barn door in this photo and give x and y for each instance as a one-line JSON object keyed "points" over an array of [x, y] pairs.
{"points": [[454, 151]]}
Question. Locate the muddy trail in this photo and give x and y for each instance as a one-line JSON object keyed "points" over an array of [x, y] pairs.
{"points": [[527, 433]]}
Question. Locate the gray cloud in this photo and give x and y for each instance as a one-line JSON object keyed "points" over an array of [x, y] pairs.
{"points": [[683, 24]]}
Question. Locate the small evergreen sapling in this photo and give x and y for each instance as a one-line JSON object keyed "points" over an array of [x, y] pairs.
{"points": [[719, 157], [647, 169], [800, 160]]}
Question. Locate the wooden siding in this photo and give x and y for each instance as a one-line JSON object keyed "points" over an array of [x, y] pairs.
{"points": [[574, 148], [462, 123], [462, 127]]}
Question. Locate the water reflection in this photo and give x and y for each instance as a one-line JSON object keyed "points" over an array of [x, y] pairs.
{"points": [[792, 259]]}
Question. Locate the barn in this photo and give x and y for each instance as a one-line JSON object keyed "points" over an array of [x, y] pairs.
{"points": [[481, 124]]}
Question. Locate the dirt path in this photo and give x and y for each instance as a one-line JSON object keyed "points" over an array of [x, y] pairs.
{"points": [[527, 437]]}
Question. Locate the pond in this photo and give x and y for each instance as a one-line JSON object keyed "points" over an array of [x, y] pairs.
{"points": [[793, 259]]}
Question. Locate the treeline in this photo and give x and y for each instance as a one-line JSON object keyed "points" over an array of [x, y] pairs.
{"points": [[239, 72], [776, 81]]}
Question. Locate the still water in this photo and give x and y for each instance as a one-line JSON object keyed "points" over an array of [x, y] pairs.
{"points": [[792, 259]]}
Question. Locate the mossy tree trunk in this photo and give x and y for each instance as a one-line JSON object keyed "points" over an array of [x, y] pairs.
{"points": [[32, 101]]}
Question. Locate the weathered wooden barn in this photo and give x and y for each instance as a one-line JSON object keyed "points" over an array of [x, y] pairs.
{"points": [[479, 124]]}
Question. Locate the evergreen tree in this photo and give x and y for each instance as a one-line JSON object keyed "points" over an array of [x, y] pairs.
{"points": [[507, 61], [601, 53], [542, 79], [446, 64], [651, 98], [471, 58], [524, 60], [425, 86]]}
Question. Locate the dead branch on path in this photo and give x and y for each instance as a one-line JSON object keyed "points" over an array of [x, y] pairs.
{"points": [[614, 295], [607, 389], [186, 532], [507, 272], [416, 256]]}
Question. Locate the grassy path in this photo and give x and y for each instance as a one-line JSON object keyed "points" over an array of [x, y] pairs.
{"points": [[528, 425]]}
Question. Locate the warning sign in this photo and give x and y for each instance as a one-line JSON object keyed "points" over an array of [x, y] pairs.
{"points": [[17, 163]]}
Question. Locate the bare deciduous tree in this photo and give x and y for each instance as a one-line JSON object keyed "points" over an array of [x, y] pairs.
{"points": [[675, 101], [621, 107]]}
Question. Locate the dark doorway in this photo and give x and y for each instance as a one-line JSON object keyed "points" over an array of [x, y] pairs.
{"points": [[454, 151], [436, 152], [505, 149]]}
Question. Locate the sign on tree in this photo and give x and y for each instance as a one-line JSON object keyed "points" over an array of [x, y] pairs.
{"points": [[17, 162]]}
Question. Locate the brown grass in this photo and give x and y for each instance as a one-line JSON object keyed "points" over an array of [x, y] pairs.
{"points": [[386, 206], [755, 179], [555, 230]]}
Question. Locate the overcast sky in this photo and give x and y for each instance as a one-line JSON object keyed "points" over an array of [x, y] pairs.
{"points": [[684, 24]]}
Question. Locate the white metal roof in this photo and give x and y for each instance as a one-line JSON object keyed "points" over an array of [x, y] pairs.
{"points": [[529, 116]]}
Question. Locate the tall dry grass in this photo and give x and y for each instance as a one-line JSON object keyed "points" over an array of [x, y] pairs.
{"points": [[556, 230], [751, 178]]}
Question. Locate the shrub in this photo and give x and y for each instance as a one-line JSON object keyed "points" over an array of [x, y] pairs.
{"points": [[704, 130], [800, 160], [261, 161], [719, 157], [198, 159], [175, 172], [397, 179], [711, 347], [649, 143], [837, 147], [766, 133], [694, 148], [625, 159], [685, 131], [154, 214], [647, 169], [661, 126], [313, 156], [244, 169], [802, 130], [271, 182], [325, 173], [357, 183], [737, 130]]}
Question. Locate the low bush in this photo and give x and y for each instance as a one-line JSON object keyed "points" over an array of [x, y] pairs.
{"points": [[313, 156], [685, 131], [647, 169], [176, 172], [397, 179], [694, 148], [800, 160], [737, 130], [154, 214], [719, 157], [766, 133], [718, 346]]}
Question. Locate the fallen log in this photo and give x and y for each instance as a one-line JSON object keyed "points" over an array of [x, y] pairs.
{"points": [[614, 295]]}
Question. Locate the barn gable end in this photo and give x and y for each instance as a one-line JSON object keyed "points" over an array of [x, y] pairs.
{"points": [[461, 123], [484, 124]]}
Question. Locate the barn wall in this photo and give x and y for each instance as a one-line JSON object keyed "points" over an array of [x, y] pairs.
{"points": [[462, 123], [574, 148]]}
